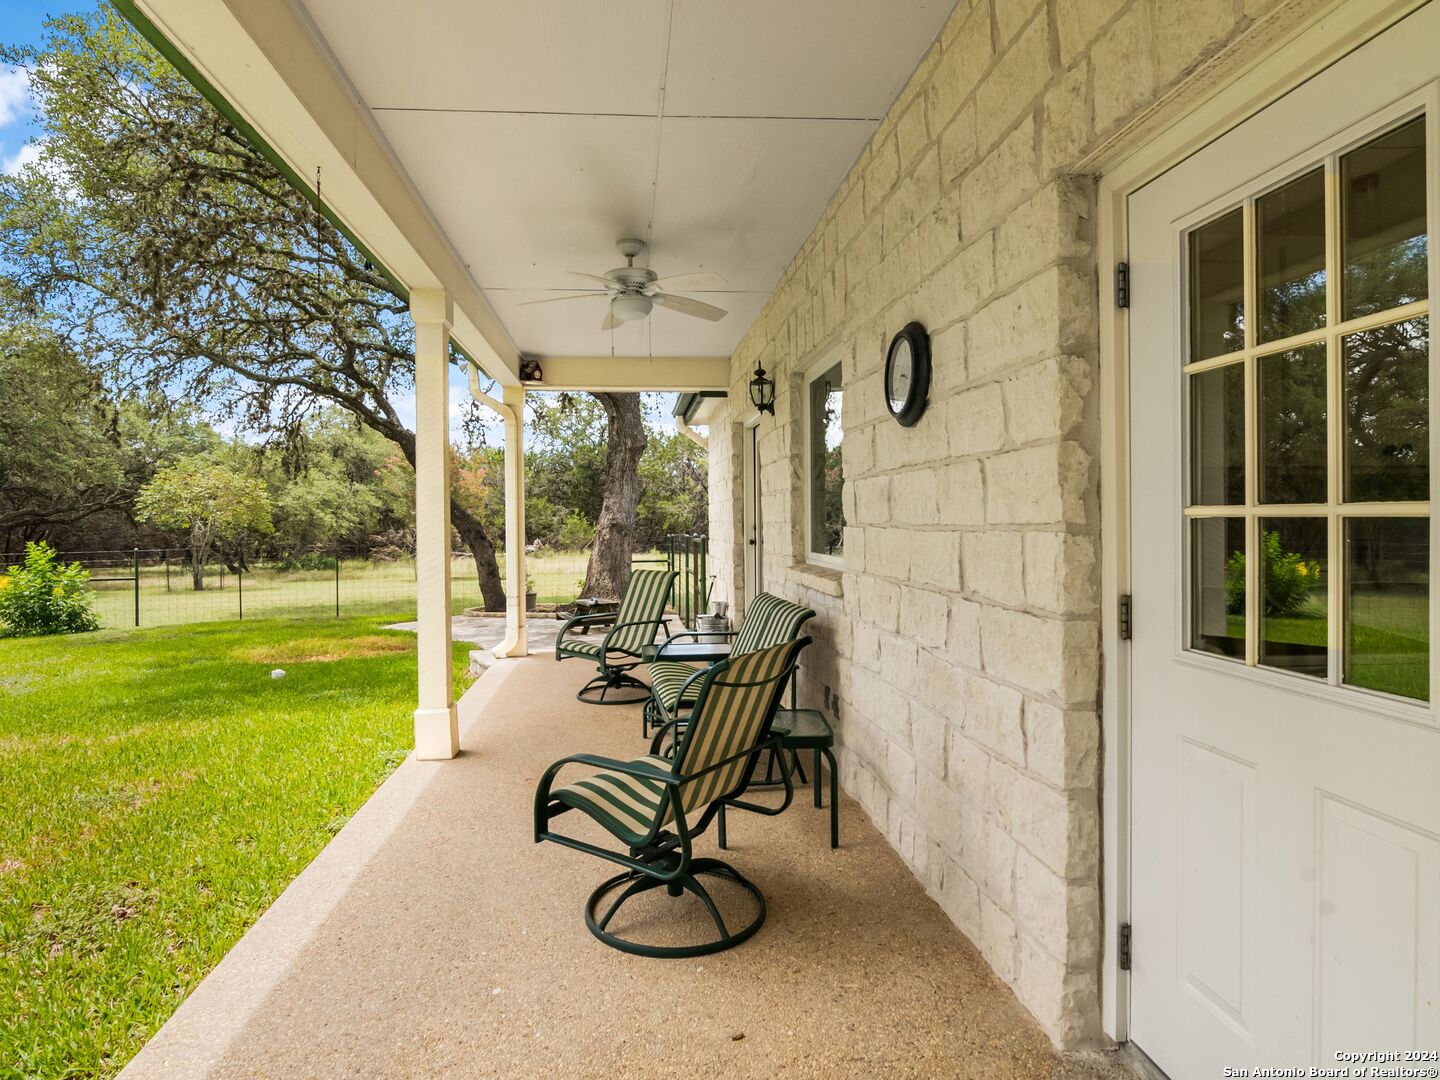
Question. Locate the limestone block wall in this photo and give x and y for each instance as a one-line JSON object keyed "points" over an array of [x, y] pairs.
{"points": [[960, 646]]}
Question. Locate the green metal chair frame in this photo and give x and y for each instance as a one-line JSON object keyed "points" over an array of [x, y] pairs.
{"points": [[638, 802], [640, 618], [769, 620]]}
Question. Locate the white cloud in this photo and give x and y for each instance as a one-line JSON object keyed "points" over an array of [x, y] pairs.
{"points": [[15, 103], [27, 155]]}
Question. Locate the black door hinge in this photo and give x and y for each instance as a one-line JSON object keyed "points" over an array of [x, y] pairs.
{"points": [[1126, 609], [1122, 285], [1124, 946]]}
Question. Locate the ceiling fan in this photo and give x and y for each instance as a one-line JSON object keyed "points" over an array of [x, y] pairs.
{"points": [[634, 290]]}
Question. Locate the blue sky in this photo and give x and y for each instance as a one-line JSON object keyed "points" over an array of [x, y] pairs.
{"points": [[21, 23]]}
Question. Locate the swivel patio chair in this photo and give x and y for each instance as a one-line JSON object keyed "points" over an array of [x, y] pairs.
{"points": [[640, 618], [769, 620], [657, 806]]}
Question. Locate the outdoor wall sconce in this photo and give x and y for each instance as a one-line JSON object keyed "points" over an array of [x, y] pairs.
{"points": [[762, 391]]}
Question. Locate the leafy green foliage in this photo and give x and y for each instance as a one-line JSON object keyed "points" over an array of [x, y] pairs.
{"points": [[575, 533], [329, 487], [182, 265], [1289, 579], [213, 504], [566, 458], [45, 596], [674, 487], [73, 454], [152, 234]]}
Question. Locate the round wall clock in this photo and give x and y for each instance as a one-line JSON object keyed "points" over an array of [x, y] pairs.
{"points": [[907, 374]]}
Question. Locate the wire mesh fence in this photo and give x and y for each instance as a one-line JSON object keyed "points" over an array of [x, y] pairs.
{"points": [[160, 586]]}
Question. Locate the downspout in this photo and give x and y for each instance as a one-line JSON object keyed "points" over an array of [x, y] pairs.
{"points": [[684, 428], [512, 411]]}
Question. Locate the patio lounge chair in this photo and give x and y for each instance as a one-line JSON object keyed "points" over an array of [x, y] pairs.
{"points": [[769, 620], [641, 617], [656, 806]]}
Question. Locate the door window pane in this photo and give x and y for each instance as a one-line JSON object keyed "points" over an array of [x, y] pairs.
{"points": [[1387, 408], [1294, 613], [827, 516], [1217, 287], [1387, 605], [1217, 586], [1291, 413], [1217, 436], [1382, 191], [1290, 256]]}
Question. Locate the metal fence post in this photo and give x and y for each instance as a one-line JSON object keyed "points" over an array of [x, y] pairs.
{"points": [[689, 582], [240, 589], [337, 583], [702, 595], [137, 586]]}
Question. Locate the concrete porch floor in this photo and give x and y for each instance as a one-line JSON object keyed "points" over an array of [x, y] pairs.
{"points": [[433, 938]]}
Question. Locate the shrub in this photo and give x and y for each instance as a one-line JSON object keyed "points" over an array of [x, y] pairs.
{"points": [[576, 532], [1288, 579], [310, 560], [45, 596]]}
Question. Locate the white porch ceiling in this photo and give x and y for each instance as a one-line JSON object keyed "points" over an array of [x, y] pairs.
{"points": [[540, 133]]}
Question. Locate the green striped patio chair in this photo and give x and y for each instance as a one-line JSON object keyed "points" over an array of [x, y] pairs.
{"points": [[641, 617], [769, 620], [657, 806]]}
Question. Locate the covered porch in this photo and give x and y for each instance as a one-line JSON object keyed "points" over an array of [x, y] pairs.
{"points": [[487, 969], [925, 215]]}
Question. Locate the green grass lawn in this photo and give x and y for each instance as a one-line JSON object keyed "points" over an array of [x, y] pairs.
{"points": [[160, 790], [1387, 646]]}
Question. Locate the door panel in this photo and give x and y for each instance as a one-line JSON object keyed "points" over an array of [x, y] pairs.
{"points": [[1217, 881], [1285, 795], [1360, 970]]}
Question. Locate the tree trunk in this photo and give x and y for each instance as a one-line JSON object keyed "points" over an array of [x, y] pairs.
{"points": [[472, 533], [609, 567], [492, 589], [197, 570]]}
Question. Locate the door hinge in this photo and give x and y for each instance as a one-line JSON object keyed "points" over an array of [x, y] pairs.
{"points": [[1124, 946], [1126, 614], [1122, 285]]}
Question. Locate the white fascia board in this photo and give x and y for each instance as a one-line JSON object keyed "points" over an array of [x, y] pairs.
{"points": [[624, 373], [269, 65]]}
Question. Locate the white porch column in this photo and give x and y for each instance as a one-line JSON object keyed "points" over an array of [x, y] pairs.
{"points": [[517, 640], [437, 733]]}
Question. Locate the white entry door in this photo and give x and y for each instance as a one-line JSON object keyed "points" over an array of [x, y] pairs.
{"points": [[1285, 792], [753, 524]]}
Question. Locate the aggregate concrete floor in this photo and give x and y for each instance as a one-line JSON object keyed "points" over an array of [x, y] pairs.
{"points": [[487, 631], [432, 938]]}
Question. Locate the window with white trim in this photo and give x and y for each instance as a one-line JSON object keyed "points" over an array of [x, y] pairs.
{"points": [[825, 514]]}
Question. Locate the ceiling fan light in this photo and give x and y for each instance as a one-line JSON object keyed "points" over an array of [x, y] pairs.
{"points": [[628, 307]]}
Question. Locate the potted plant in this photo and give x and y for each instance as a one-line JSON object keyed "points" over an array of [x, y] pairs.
{"points": [[529, 593]]}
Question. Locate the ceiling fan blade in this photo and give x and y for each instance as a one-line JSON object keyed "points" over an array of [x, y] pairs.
{"points": [[593, 277], [686, 305], [610, 322], [553, 299], [702, 280]]}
